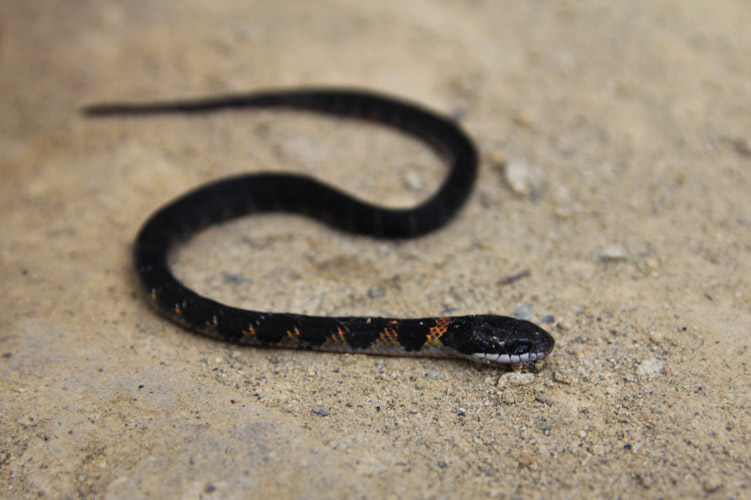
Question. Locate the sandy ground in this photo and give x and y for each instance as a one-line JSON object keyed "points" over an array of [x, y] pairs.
{"points": [[625, 128]]}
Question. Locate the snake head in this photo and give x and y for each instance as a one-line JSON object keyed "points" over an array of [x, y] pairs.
{"points": [[501, 339]]}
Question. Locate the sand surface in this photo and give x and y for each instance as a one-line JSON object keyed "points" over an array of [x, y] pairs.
{"points": [[625, 131]]}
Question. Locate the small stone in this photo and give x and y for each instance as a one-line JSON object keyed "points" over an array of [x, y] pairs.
{"points": [[712, 483], [508, 397], [497, 160], [413, 181], [462, 412], [375, 292], [742, 147], [319, 410], [235, 279], [646, 480], [522, 178], [613, 253], [526, 460], [564, 376], [522, 119], [516, 379], [649, 368], [542, 398], [657, 336]]}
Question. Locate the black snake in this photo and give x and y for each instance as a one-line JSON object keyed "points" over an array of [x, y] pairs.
{"points": [[489, 338]]}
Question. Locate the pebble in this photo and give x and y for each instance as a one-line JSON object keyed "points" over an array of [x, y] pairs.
{"points": [[651, 263], [508, 398], [515, 379], [526, 460], [743, 147], [522, 178], [319, 410], [712, 483], [649, 368], [548, 319], [375, 292], [657, 336], [564, 376], [542, 398], [412, 180], [613, 253], [497, 160], [522, 119], [235, 279]]}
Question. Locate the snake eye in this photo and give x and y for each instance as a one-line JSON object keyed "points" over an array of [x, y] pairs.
{"points": [[518, 347]]}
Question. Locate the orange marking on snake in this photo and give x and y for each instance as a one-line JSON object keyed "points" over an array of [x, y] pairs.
{"points": [[212, 322], [337, 337], [294, 333], [437, 331], [388, 338], [250, 331]]}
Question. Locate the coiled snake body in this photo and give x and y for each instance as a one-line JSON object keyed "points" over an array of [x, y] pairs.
{"points": [[489, 338]]}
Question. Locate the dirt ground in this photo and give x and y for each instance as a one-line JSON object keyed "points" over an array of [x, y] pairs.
{"points": [[616, 167]]}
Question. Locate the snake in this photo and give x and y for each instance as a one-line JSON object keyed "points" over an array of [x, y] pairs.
{"points": [[486, 338]]}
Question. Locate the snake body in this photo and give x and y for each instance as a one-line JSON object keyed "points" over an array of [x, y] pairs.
{"points": [[489, 338]]}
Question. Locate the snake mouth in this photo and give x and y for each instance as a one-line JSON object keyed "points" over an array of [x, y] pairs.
{"points": [[527, 357]]}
